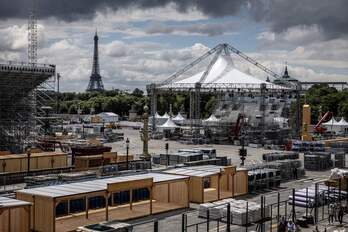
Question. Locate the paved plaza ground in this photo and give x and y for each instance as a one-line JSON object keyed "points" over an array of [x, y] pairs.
{"points": [[172, 221]]}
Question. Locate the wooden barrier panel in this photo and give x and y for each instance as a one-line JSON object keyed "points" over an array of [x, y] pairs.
{"points": [[241, 182], [14, 215], [229, 170], [197, 191], [161, 192], [38, 161], [44, 210], [179, 193]]}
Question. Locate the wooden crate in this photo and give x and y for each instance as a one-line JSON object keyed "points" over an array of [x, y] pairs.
{"points": [[123, 158]]}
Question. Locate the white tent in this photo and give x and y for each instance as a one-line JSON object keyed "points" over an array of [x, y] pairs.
{"points": [[212, 118], [168, 125], [332, 122], [342, 122], [108, 117], [165, 115], [159, 120], [157, 115], [337, 127], [222, 73], [178, 118]]}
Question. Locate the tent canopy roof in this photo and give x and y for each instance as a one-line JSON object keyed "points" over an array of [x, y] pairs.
{"points": [[223, 72], [331, 122], [169, 124], [178, 117], [212, 118], [342, 122]]}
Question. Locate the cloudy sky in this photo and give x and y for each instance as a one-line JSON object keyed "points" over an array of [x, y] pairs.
{"points": [[144, 41]]}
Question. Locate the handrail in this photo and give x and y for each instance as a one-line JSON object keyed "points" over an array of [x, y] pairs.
{"points": [[18, 63]]}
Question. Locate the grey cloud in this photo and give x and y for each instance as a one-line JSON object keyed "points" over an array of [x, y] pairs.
{"points": [[210, 29], [70, 10], [330, 15]]}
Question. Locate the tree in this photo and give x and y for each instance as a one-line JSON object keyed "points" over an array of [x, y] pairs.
{"points": [[138, 92]]}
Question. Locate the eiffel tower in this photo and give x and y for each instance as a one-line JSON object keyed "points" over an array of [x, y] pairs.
{"points": [[95, 81]]}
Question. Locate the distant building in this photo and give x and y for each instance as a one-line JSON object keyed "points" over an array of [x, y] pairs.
{"points": [[108, 117]]}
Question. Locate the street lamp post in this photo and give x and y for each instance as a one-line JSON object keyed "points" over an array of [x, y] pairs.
{"points": [[127, 151], [28, 157], [167, 148]]}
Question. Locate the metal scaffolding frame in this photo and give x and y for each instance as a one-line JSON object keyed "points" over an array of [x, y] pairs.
{"points": [[22, 90]]}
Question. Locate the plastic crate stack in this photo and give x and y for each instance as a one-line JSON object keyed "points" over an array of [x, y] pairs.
{"points": [[339, 147], [260, 179], [317, 161], [273, 156], [304, 146], [340, 160]]}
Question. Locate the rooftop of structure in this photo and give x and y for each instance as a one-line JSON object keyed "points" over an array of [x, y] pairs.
{"points": [[98, 185], [12, 66], [19, 78], [198, 171], [222, 74], [12, 203]]}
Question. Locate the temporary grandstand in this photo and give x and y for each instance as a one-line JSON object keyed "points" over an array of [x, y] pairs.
{"points": [[21, 91]]}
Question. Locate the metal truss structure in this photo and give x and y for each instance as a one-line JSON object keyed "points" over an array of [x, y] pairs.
{"points": [[195, 90], [95, 81]]}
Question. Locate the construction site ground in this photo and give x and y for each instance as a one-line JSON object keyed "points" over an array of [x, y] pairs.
{"points": [[172, 221]]}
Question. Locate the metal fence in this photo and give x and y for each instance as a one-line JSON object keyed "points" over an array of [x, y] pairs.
{"points": [[274, 207]]}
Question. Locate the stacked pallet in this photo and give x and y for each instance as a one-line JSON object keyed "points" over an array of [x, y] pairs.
{"points": [[317, 161], [340, 160], [219, 161], [41, 180], [53, 179], [287, 168], [340, 146], [260, 179], [304, 146], [179, 158], [239, 214], [273, 156], [77, 176]]}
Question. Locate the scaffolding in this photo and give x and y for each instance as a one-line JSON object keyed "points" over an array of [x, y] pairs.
{"points": [[23, 91]]}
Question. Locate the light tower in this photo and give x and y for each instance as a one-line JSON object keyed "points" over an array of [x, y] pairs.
{"points": [[95, 81]]}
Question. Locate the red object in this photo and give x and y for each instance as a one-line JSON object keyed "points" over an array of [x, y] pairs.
{"points": [[327, 116], [238, 126]]}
